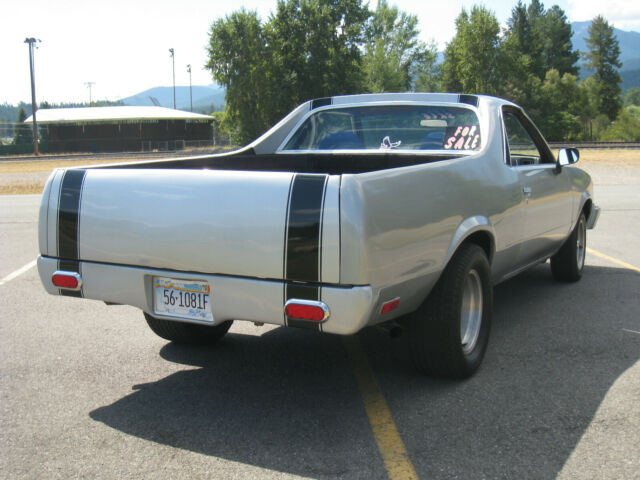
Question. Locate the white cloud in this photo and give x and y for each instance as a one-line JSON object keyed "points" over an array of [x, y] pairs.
{"points": [[623, 14]]}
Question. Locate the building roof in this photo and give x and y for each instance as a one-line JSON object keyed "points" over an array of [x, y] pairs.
{"points": [[112, 114]]}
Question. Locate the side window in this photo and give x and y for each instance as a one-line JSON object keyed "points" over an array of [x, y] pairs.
{"points": [[522, 148]]}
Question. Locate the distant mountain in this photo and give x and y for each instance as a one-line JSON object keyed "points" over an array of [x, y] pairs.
{"points": [[205, 98], [629, 43], [629, 53]]}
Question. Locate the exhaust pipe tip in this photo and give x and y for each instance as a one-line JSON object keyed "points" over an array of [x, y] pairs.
{"points": [[396, 331], [392, 328]]}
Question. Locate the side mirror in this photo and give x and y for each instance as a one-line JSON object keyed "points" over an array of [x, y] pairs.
{"points": [[566, 156]]}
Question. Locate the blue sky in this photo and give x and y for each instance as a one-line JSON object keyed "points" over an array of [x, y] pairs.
{"points": [[123, 46]]}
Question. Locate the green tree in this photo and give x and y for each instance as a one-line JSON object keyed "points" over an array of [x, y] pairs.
{"points": [[22, 133], [626, 128], [315, 50], [632, 97], [587, 106], [394, 57], [603, 58], [451, 81], [237, 60], [531, 39], [556, 117], [472, 59], [558, 50], [535, 41], [307, 49], [518, 84], [544, 37]]}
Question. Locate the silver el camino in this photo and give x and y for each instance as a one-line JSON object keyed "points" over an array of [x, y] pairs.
{"points": [[382, 209]]}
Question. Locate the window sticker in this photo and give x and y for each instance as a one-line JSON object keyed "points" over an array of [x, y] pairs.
{"points": [[387, 144], [462, 137]]}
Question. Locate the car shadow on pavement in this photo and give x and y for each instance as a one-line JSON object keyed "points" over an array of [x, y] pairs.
{"points": [[288, 400]]}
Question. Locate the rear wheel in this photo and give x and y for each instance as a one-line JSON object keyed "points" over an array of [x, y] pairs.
{"points": [[568, 263], [449, 333], [187, 333]]}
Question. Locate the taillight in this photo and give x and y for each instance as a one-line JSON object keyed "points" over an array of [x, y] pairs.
{"points": [[306, 310], [390, 306], [67, 280]]}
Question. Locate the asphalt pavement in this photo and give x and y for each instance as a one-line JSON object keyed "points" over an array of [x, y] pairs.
{"points": [[87, 390]]}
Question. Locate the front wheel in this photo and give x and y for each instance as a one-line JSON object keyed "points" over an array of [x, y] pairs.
{"points": [[187, 333], [568, 263], [449, 333]]}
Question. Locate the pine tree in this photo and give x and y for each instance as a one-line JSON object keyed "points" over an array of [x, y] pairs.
{"points": [[558, 53], [603, 58]]}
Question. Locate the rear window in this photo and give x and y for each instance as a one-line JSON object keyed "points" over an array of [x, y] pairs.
{"points": [[389, 127]]}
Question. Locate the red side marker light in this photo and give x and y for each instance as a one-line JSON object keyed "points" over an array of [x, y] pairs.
{"points": [[67, 280], [306, 310], [390, 306]]}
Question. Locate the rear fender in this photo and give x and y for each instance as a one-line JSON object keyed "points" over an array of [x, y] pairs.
{"points": [[470, 227]]}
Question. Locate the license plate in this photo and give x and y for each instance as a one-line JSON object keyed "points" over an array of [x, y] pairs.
{"points": [[187, 299]]}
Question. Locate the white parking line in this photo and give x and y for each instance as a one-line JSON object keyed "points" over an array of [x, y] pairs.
{"points": [[18, 272]]}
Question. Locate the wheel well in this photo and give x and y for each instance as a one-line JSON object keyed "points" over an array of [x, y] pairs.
{"points": [[484, 240]]}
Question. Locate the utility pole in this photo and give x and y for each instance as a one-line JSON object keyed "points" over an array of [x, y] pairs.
{"points": [[89, 85], [31, 41], [173, 58], [190, 96]]}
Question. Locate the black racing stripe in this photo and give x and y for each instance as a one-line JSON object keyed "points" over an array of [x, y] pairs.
{"points": [[302, 292], [303, 242], [321, 102], [295, 323], [68, 213], [468, 99], [67, 265], [303, 228], [69, 224]]}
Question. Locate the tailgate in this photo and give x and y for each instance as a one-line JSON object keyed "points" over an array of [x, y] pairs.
{"points": [[249, 224]]}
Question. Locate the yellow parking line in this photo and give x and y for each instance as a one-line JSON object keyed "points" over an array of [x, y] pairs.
{"points": [[391, 447], [613, 260]]}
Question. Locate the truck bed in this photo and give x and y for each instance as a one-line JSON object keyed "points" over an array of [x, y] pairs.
{"points": [[329, 164]]}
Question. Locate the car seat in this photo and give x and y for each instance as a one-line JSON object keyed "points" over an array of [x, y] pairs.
{"points": [[340, 140], [432, 141]]}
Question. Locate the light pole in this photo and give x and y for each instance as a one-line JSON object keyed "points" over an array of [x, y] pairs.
{"points": [[190, 96], [89, 85], [31, 41], [173, 58]]}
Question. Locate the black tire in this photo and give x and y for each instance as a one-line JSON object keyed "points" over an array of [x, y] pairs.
{"points": [[440, 344], [568, 263], [187, 333]]}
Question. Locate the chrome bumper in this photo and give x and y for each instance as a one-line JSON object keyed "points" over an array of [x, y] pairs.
{"points": [[232, 298], [593, 217]]}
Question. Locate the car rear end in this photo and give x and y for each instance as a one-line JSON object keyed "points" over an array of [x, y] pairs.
{"points": [[202, 246]]}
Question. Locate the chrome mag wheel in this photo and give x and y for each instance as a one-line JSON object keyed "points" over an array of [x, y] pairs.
{"points": [[471, 312], [581, 242]]}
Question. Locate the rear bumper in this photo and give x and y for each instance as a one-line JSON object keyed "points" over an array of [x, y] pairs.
{"points": [[232, 298]]}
